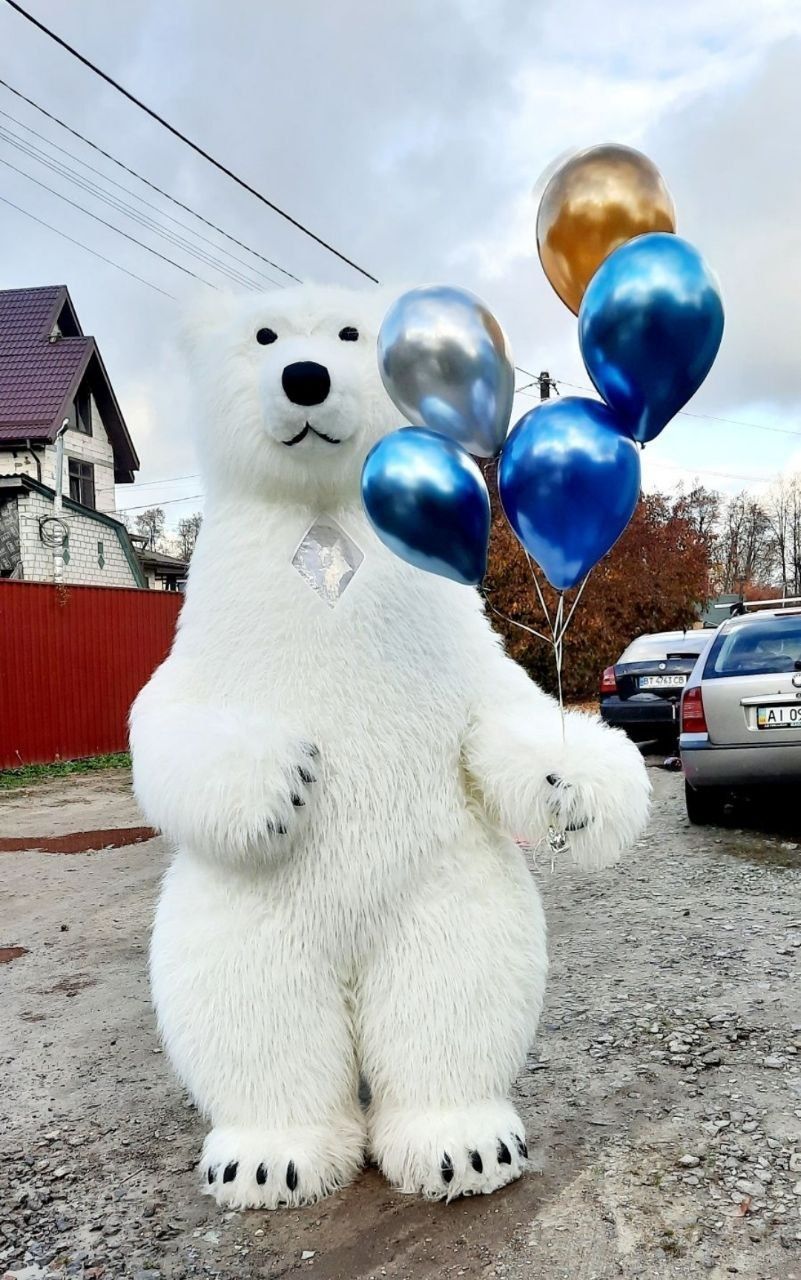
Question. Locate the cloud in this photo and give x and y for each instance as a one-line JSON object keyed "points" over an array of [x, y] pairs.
{"points": [[411, 137]]}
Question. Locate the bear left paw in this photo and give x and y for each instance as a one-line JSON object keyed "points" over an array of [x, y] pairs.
{"points": [[598, 793], [442, 1155], [270, 1169]]}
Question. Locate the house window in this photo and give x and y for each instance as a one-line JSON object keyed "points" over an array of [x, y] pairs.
{"points": [[83, 412], [82, 482]]}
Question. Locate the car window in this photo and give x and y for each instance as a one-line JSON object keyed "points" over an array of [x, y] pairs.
{"points": [[770, 645], [656, 648]]}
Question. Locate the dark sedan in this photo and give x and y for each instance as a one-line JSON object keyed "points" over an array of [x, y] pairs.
{"points": [[642, 692]]}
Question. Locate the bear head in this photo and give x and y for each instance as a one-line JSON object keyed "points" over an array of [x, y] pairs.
{"points": [[289, 399]]}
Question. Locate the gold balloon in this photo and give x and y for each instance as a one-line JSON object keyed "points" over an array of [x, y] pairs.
{"points": [[596, 201]]}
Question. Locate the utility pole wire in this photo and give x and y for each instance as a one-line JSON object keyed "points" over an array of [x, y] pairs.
{"points": [[27, 213], [182, 137], [111, 225], [119, 205], [45, 157], [134, 174]]}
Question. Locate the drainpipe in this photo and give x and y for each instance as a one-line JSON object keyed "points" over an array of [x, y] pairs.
{"points": [[36, 460], [58, 547]]}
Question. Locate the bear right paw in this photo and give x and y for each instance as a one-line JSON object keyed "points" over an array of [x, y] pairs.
{"points": [[276, 1169], [273, 805]]}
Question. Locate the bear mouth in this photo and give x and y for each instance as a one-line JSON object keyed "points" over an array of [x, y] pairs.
{"points": [[302, 436]]}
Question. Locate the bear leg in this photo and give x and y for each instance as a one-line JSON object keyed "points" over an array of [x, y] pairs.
{"points": [[445, 1012], [257, 1027]]}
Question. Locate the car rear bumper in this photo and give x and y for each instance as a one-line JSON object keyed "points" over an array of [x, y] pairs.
{"points": [[640, 714], [709, 765]]}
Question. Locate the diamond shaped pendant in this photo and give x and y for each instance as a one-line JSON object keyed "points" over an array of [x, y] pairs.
{"points": [[557, 840], [327, 559]]}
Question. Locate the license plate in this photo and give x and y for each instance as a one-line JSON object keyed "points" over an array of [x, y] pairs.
{"points": [[662, 682], [779, 717]]}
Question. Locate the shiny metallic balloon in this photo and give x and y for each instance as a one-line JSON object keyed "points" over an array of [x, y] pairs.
{"points": [[427, 501], [596, 201], [446, 364], [569, 480], [650, 327]]}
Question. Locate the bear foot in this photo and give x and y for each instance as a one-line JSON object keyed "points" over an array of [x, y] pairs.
{"points": [[279, 1168], [442, 1155]]}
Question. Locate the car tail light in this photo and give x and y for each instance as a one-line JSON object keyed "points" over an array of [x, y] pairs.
{"points": [[693, 719], [609, 681]]}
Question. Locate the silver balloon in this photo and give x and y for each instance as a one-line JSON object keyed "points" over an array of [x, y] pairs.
{"points": [[446, 364]]}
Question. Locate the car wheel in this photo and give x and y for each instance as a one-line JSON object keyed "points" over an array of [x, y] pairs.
{"points": [[704, 806]]}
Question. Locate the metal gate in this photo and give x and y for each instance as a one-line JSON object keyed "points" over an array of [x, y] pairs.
{"points": [[72, 660]]}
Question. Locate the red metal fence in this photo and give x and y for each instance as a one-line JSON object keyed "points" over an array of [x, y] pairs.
{"points": [[72, 660]]}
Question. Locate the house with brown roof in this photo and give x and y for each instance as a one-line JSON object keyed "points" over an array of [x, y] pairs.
{"points": [[64, 445]]}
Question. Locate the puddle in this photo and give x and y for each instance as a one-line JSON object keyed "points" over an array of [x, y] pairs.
{"points": [[764, 852]]}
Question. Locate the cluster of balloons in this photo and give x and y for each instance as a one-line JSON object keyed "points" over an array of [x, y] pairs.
{"points": [[650, 321]]}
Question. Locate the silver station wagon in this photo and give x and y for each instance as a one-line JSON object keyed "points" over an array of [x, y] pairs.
{"points": [[741, 711]]}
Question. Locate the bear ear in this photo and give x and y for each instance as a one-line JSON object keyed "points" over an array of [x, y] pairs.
{"points": [[204, 314]]}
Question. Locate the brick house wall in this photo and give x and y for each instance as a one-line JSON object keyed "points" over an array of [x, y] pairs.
{"points": [[95, 448], [95, 554]]}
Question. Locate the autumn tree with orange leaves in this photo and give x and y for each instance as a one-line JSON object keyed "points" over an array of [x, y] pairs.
{"points": [[654, 579]]}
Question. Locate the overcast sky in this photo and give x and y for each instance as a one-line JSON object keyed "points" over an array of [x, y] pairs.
{"points": [[411, 136]]}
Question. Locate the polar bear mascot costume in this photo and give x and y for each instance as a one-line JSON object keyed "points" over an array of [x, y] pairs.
{"points": [[340, 751]]}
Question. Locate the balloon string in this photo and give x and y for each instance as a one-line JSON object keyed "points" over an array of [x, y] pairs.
{"points": [[558, 638], [557, 626], [540, 596], [513, 622], [573, 607]]}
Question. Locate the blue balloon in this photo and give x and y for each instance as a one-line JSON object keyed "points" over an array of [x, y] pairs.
{"points": [[427, 501], [569, 480], [650, 327]]}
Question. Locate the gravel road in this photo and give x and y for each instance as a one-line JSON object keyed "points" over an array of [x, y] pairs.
{"points": [[662, 1100]]}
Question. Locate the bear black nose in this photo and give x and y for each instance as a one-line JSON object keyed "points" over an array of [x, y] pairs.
{"points": [[306, 382]]}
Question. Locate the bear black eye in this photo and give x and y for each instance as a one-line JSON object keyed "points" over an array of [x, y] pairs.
{"points": [[266, 336], [349, 334]]}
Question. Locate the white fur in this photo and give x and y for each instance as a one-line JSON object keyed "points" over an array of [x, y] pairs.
{"points": [[387, 925]]}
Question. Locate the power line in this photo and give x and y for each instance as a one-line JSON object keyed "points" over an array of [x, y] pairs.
{"points": [[119, 206], [147, 506], [229, 173], [140, 177], [27, 213], [104, 223], [710, 417], [705, 471], [133, 194], [147, 484]]}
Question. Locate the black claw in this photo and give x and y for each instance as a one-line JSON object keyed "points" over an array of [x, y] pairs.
{"points": [[521, 1146], [280, 830], [306, 776], [291, 1175], [261, 1174], [211, 1175], [312, 750], [476, 1162], [298, 801], [504, 1154], [446, 1168], [230, 1171]]}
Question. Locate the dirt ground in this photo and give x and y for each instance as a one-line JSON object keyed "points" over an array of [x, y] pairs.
{"points": [[662, 1099]]}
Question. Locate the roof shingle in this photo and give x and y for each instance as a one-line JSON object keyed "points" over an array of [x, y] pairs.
{"points": [[36, 375], [40, 376]]}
